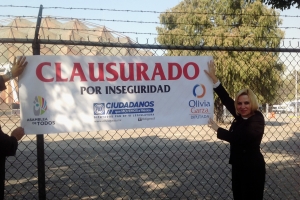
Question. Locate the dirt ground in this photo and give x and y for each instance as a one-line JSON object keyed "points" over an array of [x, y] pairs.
{"points": [[160, 163]]}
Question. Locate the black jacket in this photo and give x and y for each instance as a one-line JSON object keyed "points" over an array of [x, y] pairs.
{"points": [[8, 147], [244, 135]]}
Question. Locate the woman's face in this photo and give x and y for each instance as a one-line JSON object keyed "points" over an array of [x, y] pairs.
{"points": [[244, 106]]}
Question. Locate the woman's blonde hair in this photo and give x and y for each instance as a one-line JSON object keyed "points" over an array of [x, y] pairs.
{"points": [[252, 99]]}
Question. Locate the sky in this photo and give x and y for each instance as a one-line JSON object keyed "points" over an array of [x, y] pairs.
{"points": [[149, 19], [128, 29]]}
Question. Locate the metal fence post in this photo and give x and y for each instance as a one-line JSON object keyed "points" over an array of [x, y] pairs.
{"points": [[39, 138]]}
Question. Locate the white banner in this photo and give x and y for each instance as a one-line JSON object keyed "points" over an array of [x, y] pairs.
{"points": [[89, 93]]}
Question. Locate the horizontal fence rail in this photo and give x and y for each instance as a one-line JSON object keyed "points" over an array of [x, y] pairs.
{"points": [[147, 46]]}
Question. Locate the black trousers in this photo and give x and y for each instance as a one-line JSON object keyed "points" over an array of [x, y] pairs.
{"points": [[248, 181], [1, 189]]}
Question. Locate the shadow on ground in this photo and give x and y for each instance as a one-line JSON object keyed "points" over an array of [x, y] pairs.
{"points": [[145, 168]]}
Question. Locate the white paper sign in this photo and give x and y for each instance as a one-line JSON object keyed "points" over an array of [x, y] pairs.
{"points": [[89, 93]]}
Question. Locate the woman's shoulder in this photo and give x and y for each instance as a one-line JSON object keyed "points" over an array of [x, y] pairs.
{"points": [[259, 113], [257, 116]]}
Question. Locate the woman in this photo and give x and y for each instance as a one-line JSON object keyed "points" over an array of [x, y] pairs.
{"points": [[244, 135]]}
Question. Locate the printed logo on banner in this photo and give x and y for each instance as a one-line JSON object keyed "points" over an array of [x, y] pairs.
{"points": [[115, 111], [146, 118], [196, 88], [40, 106], [199, 108], [99, 108], [122, 108]]}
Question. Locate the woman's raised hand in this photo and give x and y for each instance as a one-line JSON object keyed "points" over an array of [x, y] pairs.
{"points": [[211, 72]]}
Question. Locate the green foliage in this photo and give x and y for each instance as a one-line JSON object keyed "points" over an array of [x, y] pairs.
{"points": [[233, 23], [282, 4], [287, 91]]}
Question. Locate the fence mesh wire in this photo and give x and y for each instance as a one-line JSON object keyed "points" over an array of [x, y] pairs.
{"points": [[153, 163], [184, 162]]}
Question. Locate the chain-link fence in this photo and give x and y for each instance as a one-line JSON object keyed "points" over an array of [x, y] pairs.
{"points": [[159, 163], [156, 163]]}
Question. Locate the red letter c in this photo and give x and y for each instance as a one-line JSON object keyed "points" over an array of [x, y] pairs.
{"points": [[39, 72]]}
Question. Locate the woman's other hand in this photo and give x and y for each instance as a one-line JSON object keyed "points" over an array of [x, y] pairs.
{"points": [[212, 124], [18, 133]]}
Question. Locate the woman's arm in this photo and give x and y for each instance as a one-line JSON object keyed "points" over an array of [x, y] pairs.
{"points": [[8, 144], [224, 134], [227, 101], [2, 83]]}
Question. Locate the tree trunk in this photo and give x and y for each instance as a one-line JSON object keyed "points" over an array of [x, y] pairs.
{"points": [[219, 110]]}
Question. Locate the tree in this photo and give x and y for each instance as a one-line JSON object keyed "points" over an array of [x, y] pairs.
{"points": [[229, 23], [287, 92], [282, 4]]}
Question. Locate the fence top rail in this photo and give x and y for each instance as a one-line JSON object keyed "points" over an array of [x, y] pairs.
{"points": [[145, 46]]}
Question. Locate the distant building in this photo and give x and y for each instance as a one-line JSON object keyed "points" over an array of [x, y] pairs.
{"points": [[53, 29], [10, 95]]}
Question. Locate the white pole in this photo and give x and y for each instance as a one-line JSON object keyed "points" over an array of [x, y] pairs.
{"points": [[14, 92], [296, 95]]}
